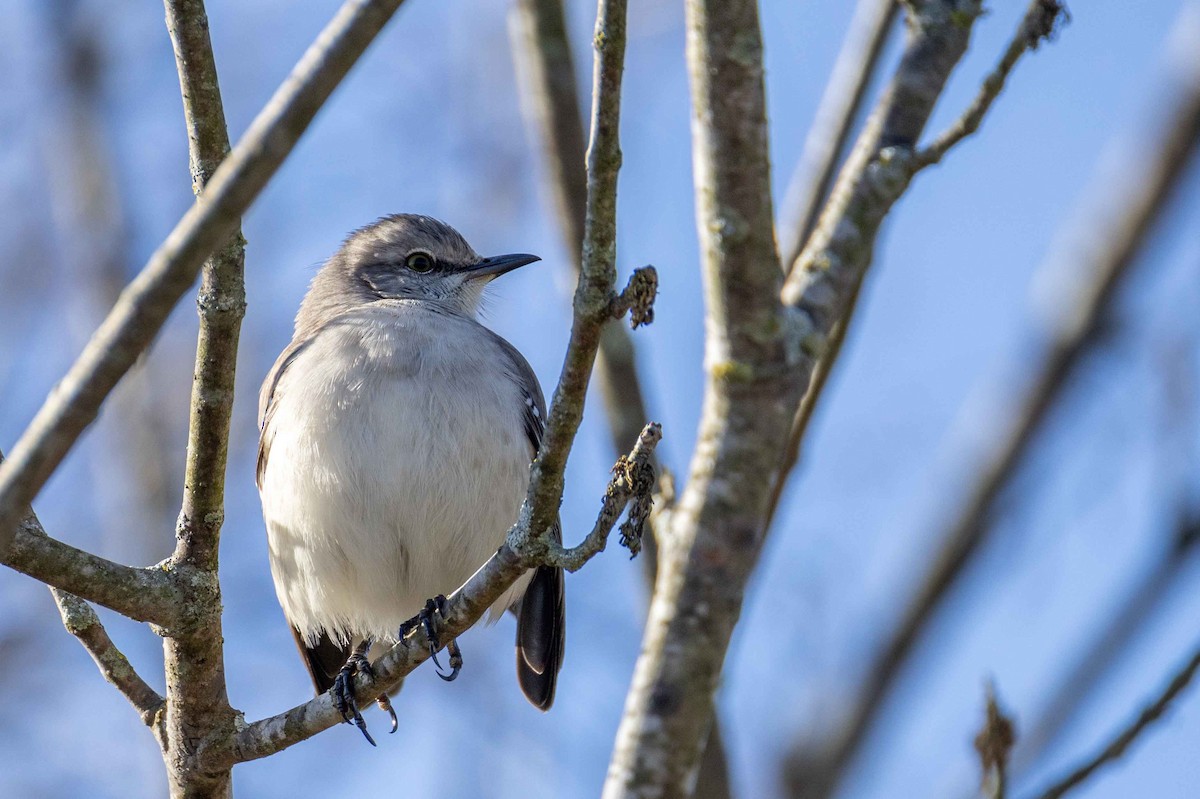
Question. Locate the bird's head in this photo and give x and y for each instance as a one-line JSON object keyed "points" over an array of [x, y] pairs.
{"points": [[405, 256]]}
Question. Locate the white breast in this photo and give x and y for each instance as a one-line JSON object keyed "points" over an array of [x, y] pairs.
{"points": [[398, 461]]}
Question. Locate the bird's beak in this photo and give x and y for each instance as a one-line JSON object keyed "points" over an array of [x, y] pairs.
{"points": [[501, 264]]}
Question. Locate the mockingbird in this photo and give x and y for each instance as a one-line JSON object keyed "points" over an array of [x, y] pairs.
{"points": [[397, 433]]}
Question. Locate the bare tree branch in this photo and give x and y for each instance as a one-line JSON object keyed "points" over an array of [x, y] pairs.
{"points": [[1097, 659], [598, 271], [145, 304], [200, 716], [465, 606], [1039, 22], [91, 223], [141, 594], [528, 543], [1117, 746], [750, 401], [83, 623], [716, 529], [760, 354], [808, 403], [546, 72], [841, 103], [1112, 234]]}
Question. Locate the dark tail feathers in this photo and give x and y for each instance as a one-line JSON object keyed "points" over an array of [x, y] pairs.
{"points": [[541, 635]]}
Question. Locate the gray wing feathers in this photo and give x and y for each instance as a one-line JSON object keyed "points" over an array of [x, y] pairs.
{"points": [[265, 406], [541, 618]]}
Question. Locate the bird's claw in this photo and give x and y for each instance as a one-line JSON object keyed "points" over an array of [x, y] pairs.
{"points": [[385, 705], [426, 619], [456, 662], [343, 696]]}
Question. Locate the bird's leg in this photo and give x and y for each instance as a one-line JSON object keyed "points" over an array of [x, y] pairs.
{"points": [[342, 691], [427, 620]]}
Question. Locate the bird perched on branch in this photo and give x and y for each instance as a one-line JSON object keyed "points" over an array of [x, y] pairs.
{"points": [[397, 434]]}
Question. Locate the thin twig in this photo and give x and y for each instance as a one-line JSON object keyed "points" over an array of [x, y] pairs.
{"points": [[1079, 682], [145, 304], [1111, 234], [1040, 23], [464, 607], [1117, 746], [841, 103], [632, 479], [83, 623], [598, 272], [200, 716], [546, 74]]}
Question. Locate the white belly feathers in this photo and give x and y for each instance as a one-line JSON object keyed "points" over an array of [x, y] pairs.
{"points": [[369, 512]]}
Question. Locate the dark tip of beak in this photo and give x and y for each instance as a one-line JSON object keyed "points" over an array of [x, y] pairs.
{"points": [[500, 264]]}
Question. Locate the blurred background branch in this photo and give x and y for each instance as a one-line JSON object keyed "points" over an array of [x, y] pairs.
{"points": [[201, 719], [841, 104], [91, 222], [546, 70], [1116, 747], [1102, 247]]}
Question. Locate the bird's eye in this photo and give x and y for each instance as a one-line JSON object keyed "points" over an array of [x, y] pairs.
{"points": [[419, 262]]}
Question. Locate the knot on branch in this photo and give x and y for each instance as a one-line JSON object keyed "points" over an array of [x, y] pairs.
{"points": [[994, 743], [632, 484], [77, 616], [634, 476], [637, 298], [1043, 25]]}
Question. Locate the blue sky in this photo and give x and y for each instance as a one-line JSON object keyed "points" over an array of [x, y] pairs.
{"points": [[430, 122]]}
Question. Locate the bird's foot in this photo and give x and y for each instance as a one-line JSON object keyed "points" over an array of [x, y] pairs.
{"points": [[429, 621], [343, 696]]}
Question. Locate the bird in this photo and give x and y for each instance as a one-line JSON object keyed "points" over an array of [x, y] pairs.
{"points": [[396, 437]]}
